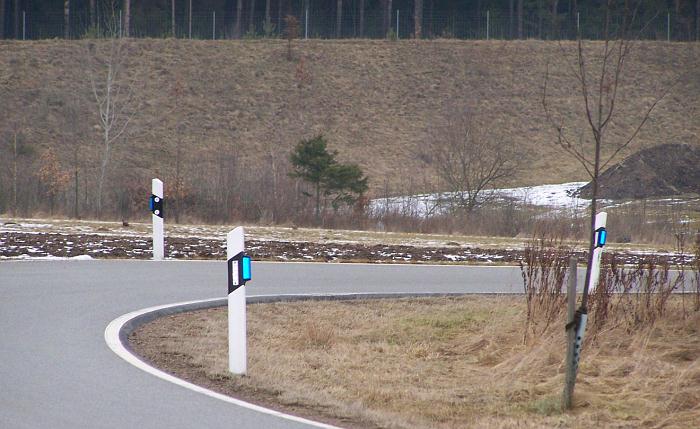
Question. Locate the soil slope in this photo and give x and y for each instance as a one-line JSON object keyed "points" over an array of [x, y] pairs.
{"points": [[378, 102], [665, 170]]}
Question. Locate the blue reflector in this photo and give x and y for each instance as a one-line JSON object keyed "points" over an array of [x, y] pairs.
{"points": [[602, 237], [150, 203], [246, 268]]}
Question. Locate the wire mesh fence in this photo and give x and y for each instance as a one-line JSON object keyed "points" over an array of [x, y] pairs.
{"points": [[492, 24]]}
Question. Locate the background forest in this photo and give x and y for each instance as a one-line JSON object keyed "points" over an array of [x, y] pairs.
{"points": [[476, 19]]}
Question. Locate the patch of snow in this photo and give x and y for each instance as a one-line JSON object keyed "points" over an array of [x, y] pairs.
{"points": [[558, 196], [50, 258]]}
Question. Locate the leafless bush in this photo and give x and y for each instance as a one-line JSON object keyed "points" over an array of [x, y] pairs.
{"points": [[696, 275], [544, 270], [634, 297]]}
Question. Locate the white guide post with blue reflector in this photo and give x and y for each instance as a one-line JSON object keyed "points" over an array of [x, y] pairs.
{"points": [[156, 206], [601, 237], [239, 272]]}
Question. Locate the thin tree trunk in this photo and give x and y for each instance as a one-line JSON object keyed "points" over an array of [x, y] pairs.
{"points": [[2, 19], [339, 19], [172, 18], [279, 16], [251, 17], [431, 17], [318, 204], [66, 19], [14, 176], [418, 19], [511, 17], [520, 19], [387, 16], [237, 24], [555, 26], [16, 20], [362, 18], [75, 208], [92, 14], [127, 17]]}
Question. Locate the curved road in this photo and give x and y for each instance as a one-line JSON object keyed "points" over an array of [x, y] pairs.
{"points": [[57, 372]]}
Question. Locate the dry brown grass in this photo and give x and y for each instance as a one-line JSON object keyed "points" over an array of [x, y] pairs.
{"points": [[375, 100], [440, 363]]}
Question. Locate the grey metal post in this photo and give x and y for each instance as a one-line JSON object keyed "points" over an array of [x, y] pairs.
{"points": [[120, 24], [668, 26], [578, 22], [306, 24], [570, 380], [190, 21], [24, 25], [213, 25]]}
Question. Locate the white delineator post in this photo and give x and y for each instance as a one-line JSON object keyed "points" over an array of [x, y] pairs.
{"points": [[600, 221], [601, 236], [237, 353], [157, 214]]}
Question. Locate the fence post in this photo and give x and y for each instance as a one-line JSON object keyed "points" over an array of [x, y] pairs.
{"points": [[213, 25], [570, 380], [306, 23], [190, 21], [668, 26], [578, 23], [120, 24], [397, 23], [488, 19], [24, 25]]}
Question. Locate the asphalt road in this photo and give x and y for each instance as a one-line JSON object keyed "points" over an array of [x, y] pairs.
{"points": [[57, 372]]}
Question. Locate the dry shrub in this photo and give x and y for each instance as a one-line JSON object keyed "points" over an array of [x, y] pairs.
{"points": [[544, 271], [634, 297], [317, 334], [696, 275]]}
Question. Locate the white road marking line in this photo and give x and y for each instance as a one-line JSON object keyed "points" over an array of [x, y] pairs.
{"points": [[114, 343]]}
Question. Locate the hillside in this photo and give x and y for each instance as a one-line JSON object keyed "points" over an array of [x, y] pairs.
{"points": [[376, 101]]}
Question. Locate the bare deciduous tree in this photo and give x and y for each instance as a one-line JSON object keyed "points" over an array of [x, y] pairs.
{"points": [[598, 72], [52, 175], [115, 101], [469, 160]]}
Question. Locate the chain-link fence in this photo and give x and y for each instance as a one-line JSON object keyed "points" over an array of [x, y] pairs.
{"points": [[488, 25]]}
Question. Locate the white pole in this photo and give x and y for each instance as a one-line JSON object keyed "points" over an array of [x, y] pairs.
{"points": [[397, 23], [237, 354], [306, 24], [600, 221], [578, 22], [158, 248], [213, 25], [487, 24]]}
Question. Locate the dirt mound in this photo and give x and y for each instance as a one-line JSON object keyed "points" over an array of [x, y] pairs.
{"points": [[669, 169]]}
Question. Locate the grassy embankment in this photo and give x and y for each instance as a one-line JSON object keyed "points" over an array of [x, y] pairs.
{"points": [[438, 363]]}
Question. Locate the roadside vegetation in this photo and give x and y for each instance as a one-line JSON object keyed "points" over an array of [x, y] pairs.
{"points": [[439, 363]]}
